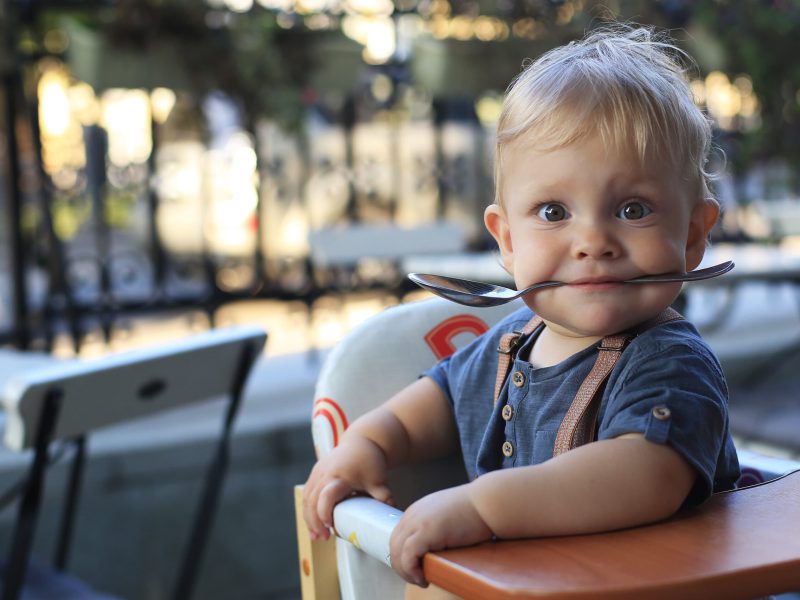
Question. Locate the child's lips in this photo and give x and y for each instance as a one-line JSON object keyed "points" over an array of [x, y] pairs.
{"points": [[596, 283]]}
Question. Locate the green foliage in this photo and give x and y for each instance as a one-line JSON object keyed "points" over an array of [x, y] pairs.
{"points": [[762, 39], [266, 69], [214, 50]]}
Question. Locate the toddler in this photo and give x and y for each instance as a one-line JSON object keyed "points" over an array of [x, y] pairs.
{"points": [[600, 177]]}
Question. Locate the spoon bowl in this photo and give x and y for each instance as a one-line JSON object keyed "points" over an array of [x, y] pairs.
{"points": [[480, 294]]}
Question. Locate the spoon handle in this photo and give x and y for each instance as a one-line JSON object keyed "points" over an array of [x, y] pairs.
{"points": [[697, 275]]}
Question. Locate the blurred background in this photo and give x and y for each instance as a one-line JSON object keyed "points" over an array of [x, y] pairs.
{"points": [[163, 154], [171, 165]]}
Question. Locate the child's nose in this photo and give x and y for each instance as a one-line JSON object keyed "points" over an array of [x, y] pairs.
{"points": [[595, 241]]}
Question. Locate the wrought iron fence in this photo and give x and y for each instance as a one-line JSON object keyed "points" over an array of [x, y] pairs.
{"points": [[109, 238]]}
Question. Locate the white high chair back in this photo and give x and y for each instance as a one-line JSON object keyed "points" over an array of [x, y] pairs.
{"points": [[368, 366]]}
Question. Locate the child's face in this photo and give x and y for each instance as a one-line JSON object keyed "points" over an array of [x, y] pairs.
{"points": [[593, 216]]}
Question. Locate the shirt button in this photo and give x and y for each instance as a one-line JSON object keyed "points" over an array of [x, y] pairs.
{"points": [[518, 379], [508, 412], [662, 413], [508, 449]]}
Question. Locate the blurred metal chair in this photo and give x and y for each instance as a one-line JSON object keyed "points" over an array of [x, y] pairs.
{"points": [[368, 366], [46, 400]]}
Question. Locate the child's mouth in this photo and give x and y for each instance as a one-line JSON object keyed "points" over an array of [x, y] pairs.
{"points": [[596, 284]]}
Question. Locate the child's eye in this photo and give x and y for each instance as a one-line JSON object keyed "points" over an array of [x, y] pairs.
{"points": [[552, 211], [633, 211]]}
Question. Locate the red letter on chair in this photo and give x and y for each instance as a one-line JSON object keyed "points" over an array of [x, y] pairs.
{"points": [[440, 338]]}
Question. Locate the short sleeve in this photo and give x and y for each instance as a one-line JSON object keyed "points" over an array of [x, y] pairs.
{"points": [[440, 374], [677, 396]]}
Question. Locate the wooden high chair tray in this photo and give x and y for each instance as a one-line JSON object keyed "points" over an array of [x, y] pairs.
{"points": [[739, 544]]}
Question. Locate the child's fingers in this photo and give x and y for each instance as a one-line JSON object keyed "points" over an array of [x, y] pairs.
{"points": [[329, 496], [410, 562], [406, 548], [381, 493], [310, 500]]}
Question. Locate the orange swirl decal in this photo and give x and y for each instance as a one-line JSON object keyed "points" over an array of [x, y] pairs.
{"points": [[440, 338], [333, 413]]}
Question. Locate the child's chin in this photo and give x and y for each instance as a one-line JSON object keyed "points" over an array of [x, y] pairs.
{"points": [[605, 323]]}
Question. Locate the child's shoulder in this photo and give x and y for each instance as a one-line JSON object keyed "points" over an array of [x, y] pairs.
{"points": [[680, 331], [674, 340]]}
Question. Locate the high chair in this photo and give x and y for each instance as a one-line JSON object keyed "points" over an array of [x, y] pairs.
{"points": [[393, 348], [47, 400]]}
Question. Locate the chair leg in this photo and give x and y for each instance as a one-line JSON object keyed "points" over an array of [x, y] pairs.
{"points": [[22, 537], [70, 504], [206, 510], [319, 578]]}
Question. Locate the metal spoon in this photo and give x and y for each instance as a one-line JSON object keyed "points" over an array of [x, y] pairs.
{"points": [[476, 293]]}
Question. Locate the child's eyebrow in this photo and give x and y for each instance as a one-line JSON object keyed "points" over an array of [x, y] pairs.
{"points": [[639, 180], [535, 189]]}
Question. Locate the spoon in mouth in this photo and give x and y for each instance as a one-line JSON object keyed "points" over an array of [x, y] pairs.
{"points": [[480, 294]]}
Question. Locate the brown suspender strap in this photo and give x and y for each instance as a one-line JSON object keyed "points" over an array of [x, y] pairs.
{"points": [[579, 424], [577, 427], [507, 348]]}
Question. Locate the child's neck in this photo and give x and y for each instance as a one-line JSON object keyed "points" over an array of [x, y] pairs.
{"points": [[551, 347]]}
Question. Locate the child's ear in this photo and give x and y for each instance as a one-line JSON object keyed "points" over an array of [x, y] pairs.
{"points": [[703, 218], [494, 217]]}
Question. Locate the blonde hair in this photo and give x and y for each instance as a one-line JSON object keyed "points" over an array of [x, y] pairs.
{"points": [[628, 84]]}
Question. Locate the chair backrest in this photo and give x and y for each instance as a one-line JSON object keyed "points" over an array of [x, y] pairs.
{"points": [[119, 387], [385, 354], [369, 365]]}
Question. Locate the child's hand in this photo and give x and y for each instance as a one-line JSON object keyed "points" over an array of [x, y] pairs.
{"points": [[356, 465], [444, 519]]}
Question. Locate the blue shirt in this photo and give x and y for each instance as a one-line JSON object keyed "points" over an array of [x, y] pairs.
{"points": [[667, 385]]}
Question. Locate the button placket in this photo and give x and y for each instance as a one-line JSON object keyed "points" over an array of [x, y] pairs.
{"points": [[517, 391], [508, 449], [518, 378]]}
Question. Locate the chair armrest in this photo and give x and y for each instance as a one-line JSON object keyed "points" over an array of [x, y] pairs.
{"points": [[367, 524]]}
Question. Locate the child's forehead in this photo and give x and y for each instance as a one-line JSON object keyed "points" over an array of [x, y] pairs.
{"points": [[543, 164], [533, 143]]}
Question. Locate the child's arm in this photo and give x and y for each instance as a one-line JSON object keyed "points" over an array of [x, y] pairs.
{"points": [[601, 486], [417, 423]]}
